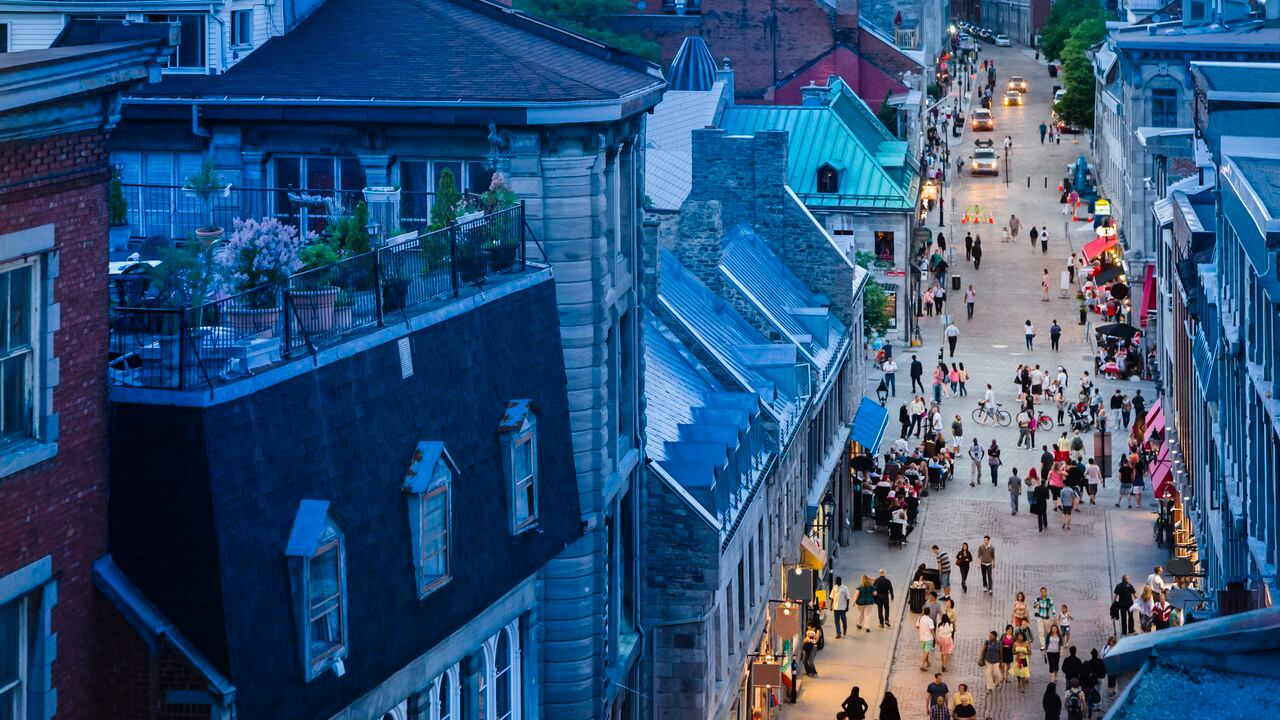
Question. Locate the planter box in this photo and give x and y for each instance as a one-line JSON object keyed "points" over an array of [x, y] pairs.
{"points": [[381, 194], [252, 321], [470, 217], [313, 309]]}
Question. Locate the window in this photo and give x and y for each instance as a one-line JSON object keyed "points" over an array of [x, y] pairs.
{"points": [[337, 179], [420, 180], [502, 677], [242, 27], [1164, 107], [475, 686], [317, 562], [4, 37], [828, 180], [191, 51], [884, 246], [17, 353], [518, 434], [428, 485], [444, 702], [13, 659]]}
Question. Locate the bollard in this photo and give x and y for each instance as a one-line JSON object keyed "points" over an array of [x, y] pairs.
{"points": [[1028, 182], [1046, 182]]}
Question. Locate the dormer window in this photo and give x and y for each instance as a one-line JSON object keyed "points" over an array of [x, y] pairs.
{"points": [[518, 433], [316, 555], [428, 489], [828, 179]]}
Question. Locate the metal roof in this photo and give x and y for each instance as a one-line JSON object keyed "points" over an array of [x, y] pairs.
{"points": [[819, 136], [693, 68]]}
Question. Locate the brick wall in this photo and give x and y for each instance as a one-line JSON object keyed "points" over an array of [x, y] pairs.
{"points": [[133, 684], [58, 507]]}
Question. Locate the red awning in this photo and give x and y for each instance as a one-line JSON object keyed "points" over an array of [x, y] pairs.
{"points": [[1162, 481], [1148, 295], [1153, 426], [1155, 411], [1094, 248]]}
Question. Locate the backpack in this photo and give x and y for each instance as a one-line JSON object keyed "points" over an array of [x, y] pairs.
{"points": [[1075, 705]]}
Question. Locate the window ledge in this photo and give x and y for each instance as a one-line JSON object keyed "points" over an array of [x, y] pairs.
{"points": [[528, 526], [25, 455], [425, 592]]}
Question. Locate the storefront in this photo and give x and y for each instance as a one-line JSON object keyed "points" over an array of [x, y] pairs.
{"points": [[864, 444]]}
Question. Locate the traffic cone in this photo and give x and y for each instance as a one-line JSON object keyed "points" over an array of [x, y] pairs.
{"points": [[990, 220], [964, 219]]}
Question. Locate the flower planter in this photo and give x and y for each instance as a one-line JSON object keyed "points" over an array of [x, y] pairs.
{"points": [[471, 267], [381, 194], [252, 321], [208, 236], [470, 217], [313, 309], [502, 257]]}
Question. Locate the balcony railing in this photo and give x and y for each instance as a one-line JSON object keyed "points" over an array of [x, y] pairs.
{"points": [[227, 339], [169, 212]]}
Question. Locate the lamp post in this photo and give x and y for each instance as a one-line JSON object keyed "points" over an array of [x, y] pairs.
{"points": [[882, 393]]}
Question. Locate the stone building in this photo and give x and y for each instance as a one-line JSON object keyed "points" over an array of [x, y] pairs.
{"points": [[56, 108], [384, 111]]}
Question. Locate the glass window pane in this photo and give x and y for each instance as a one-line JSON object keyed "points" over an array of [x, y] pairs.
{"points": [[353, 177], [324, 576], [320, 173], [444, 701], [9, 643], [478, 177], [191, 41], [475, 689], [502, 676], [523, 459], [4, 314], [15, 396], [325, 633], [20, 307], [288, 172]]}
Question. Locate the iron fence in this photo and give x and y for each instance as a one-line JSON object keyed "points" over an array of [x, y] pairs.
{"points": [[230, 338]]}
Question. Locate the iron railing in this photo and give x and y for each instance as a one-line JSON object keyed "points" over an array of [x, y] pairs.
{"points": [[229, 338], [169, 212]]}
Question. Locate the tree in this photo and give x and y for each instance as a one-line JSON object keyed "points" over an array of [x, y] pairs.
{"points": [[1064, 18], [888, 114], [875, 303], [591, 18], [1076, 106], [444, 211]]}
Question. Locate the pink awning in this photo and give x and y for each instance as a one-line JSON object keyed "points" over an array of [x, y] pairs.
{"points": [[1162, 481], [1155, 411], [1094, 248], [1153, 426], [1148, 295]]}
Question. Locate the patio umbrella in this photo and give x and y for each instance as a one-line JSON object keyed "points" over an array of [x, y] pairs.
{"points": [[1124, 331], [1119, 291], [1107, 274]]}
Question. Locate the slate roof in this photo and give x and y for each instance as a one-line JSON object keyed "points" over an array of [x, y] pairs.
{"points": [[1239, 77], [466, 51], [800, 315], [742, 350], [1253, 37], [669, 147], [823, 135], [203, 499]]}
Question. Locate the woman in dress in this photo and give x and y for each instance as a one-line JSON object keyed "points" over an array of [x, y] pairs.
{"points": [[1022, 663], [1006, 653], [944, 637]]}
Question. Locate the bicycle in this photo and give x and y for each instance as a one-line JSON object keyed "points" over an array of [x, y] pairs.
{"points": [[1044, 423], [999, 416]]}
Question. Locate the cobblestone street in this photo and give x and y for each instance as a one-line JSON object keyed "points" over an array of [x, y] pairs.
{"points": [[1080, 566]]}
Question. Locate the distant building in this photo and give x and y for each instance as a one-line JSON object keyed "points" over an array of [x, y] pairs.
{"points": [[1021, 20], [392, 94], [56, 107]]}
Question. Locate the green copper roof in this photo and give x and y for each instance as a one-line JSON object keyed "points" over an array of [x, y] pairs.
{"points": [[876, 170]]}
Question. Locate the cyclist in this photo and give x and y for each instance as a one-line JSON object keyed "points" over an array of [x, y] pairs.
{"points": [[988, 405]]}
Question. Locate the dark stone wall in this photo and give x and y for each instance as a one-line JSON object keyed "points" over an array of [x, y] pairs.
{"points": [[345, 433]]}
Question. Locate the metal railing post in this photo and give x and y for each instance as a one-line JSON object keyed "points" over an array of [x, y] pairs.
{"points": [[522, 238], [377, 287], [453, 257], [182, 349], [286, 307]]}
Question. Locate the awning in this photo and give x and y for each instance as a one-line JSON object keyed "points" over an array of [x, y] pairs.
{"points": [[1094, 248], [1162, 481], [1154, 411], [869, 424], [811, 554], [1148, 295], [1107, 274], [1153, 425]]}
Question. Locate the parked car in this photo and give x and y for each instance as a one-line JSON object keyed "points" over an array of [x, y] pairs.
{"points": [[985, 159], [1013, 97], [982, 119], [1057, 96], [1018, 83], [1063, 125], [1002, 41]]}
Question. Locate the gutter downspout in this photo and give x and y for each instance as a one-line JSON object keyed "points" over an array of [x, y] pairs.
{"points": [[195, 123], [222, 39]]}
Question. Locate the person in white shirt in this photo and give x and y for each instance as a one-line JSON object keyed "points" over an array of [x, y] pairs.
{"points": [[989, 400], [840, 606], [1157, 582], [924, 626], [890, 369]]}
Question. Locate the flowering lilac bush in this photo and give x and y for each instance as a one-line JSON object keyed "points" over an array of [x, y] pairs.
{"points": [[260, 254]]}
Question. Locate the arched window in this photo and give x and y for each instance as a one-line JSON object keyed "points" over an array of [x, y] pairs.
{"points": [[828, 179], [475, 686], [503, 677], [444, 699]]}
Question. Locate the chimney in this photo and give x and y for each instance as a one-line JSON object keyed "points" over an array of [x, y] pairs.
{"points": [[725, 75], [815, 95], [846, 20]]}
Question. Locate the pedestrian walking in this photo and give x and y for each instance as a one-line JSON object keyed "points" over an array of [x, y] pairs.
{"points": [[1035, 235], [883, 590], [1040, 505], [1024, 429], [1022, 663], [1053, 650], [976, 453], [840, 607], [889, 707], [1029, 333], [964, 558], [1064, 624], [865, 599], [1006, 652], [1044, 129], [1069, 498], [1044, 286], [1092, 478], [993, 461], [938, 710], [964, 381], [1126, 410], [944, 635], [890, 369], [1071, 268], [968, 246], [807, 650], [854, 707], [1044, 240], [1015, 491], [963, 704], [924, 631], [1051, 703], [1045, 614], [977, 253], [1055, 335], [989, 661], [1014, 225], [953, 336], [1122, 605], [904, 419], [986, 562], [944, 569], [939, 376], [1077, 706], [917, 372]]}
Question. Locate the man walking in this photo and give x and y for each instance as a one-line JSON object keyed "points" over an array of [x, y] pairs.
{"points": [[969, 297], [944, 570], [976, 453], [1044, 240], [840, 606], [1045, 615], [1035, 235], [882, 590], [1014, 226], [1123, 594], [968, 246], [917, 372], [1044, 130], [1068, 498], [977, 253], [953, 336], [1040, 505], [1055, 334], [890, 369], [1015, 491], [904, 419], [987, 562]]}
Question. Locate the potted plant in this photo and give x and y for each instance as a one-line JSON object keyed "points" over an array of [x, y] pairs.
{"points": [[472, 260], [382, 193], [257, 262], [205, 185], [444, 209], [312, 293], [183, 280]]}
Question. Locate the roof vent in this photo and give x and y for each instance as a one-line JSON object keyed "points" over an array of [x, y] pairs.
{"points": [[694, 68], [406, 358]]}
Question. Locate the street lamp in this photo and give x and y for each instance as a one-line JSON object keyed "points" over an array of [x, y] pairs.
{"points": [[882, 392]]}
